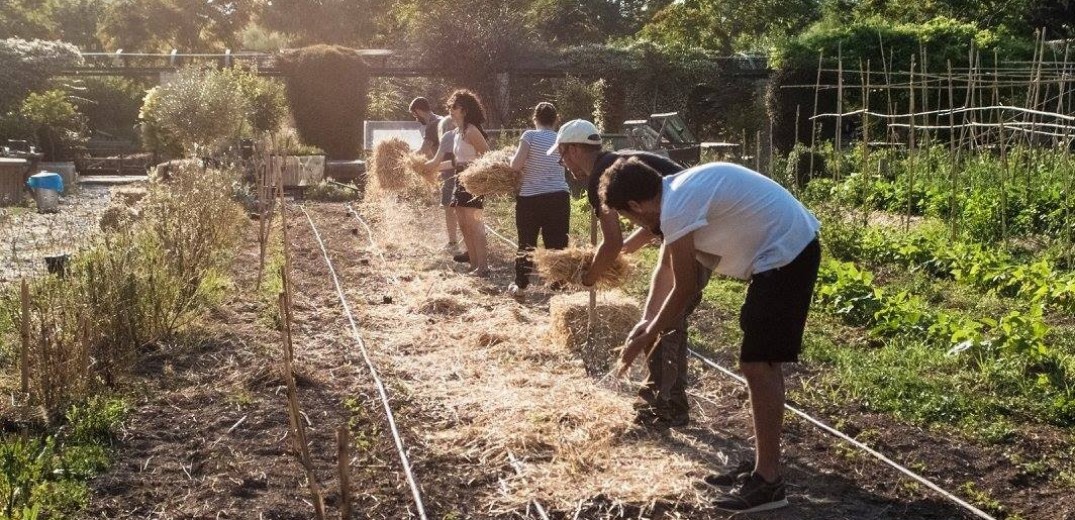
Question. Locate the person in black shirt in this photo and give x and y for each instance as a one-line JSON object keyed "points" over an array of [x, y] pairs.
{"points": [[663, 396]]}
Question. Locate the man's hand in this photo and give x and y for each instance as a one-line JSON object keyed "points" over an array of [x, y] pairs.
{"points": [[643, 342], [639, 328]]}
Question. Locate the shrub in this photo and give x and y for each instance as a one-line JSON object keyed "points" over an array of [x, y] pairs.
{"points": [[56, 124], [111, 105], [197, 110], [327, 92], [130, 288]]}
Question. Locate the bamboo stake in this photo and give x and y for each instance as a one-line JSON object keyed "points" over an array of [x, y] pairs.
{"points": [[1003, 184], [24, 354], [798, 113], [924, 91], [813, 122], [839, 106], [911, 151], [343, 466], [963, 131], [953, 154], [864, 177], [888, 83], [591, 309], [298, 429], [769, 164], [757, 151]]}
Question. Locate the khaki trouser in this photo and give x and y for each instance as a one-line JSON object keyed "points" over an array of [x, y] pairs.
{"points": [[665, 388]]}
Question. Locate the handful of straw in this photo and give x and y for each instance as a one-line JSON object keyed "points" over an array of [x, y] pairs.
{"points": [[491, 174], [568, 266], [387, 163], [415, 164]]}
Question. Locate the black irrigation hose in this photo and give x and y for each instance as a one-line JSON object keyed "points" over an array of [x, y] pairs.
{"points": [[837, 433], [373, 372]]}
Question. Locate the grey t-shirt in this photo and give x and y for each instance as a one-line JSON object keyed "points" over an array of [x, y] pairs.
{"points": [[430, 140]]}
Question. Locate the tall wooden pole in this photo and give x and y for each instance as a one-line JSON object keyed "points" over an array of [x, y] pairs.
{"points": [[24, 354]]}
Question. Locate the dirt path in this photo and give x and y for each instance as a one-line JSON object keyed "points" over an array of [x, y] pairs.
{"points": [[475, 383], [26, 236]]}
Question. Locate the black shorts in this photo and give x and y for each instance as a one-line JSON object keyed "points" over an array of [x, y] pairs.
{"points": [[774, 315], [461, 198]]}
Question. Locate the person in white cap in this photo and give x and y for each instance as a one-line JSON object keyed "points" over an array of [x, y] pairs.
{"points": [[663, 396]]}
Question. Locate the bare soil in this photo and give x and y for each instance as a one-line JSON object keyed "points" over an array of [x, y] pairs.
{"points": [[474, 384]]}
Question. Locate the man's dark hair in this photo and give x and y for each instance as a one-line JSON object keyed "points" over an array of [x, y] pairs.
{"points": [[420, 103], [545, 114], [628, 180]]}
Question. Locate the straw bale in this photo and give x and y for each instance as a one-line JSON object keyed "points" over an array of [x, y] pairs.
{"points": [[129, 195], [616, 314], [568, 265], [117, 216], [387, 164], [415, 164], [491, 174]]}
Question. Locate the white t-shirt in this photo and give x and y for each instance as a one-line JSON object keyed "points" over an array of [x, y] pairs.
{"points": [[744, 223]]}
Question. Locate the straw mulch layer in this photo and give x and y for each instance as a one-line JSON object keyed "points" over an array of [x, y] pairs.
{"points": [[491, 174], [568, 266], [388, 164], [615, 315]]}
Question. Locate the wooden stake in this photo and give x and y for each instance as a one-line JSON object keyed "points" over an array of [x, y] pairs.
{"points": [[591, 310], [343, 467], [839, 106], [911, 151], [813, 120], [298, 429], [865, 140], [24, 354], [953, 155], [757, 151]]}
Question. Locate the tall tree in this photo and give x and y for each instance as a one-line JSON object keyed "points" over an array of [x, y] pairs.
{"points": [[727, 26], [354, 23], [188, 25]]}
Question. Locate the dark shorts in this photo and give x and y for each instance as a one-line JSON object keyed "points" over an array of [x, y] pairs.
{"points": [[774, 315], [461, 198], [447, 187]]}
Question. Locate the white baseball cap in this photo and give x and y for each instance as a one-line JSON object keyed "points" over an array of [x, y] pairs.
{"points": [[579, 131]]}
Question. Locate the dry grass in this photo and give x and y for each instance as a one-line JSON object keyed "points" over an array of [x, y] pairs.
{"points": [[503, 389], [568, 266], [388, 164], [491, 377], [415, 164], [615, 313], [491, 174], [117, 217]]}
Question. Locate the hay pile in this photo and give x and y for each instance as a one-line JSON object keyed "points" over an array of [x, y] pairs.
{"points": [[568, 265], [415, 164], [123, 209], [491, 174], [616, 314], [388, 164]]}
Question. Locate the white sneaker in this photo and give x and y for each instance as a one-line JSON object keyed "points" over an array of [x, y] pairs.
{"points": [[516, 292]]}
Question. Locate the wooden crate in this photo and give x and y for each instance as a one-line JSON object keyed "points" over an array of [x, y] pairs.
{"points": [[12, 180]]}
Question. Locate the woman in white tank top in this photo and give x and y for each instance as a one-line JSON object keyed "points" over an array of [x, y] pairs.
{"points": [[466, 111]]}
